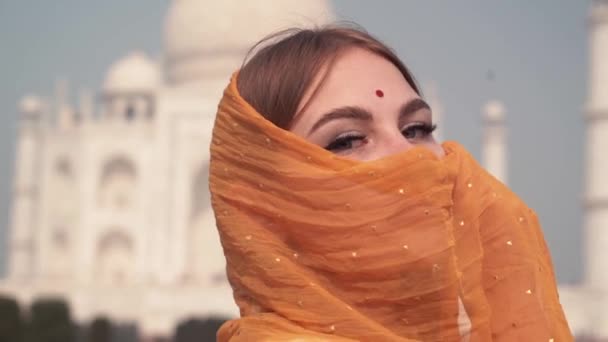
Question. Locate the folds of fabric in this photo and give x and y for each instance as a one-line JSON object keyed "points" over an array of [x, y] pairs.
{"points": [[406, 248]]}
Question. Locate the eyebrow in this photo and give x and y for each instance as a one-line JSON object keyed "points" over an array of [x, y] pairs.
{"points": [[359, 113]]}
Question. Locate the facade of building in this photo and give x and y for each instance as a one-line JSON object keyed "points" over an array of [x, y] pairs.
{"points": [[111, 206]]}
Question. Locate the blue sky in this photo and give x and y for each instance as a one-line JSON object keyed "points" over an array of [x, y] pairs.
{"points": [[536, 51]]}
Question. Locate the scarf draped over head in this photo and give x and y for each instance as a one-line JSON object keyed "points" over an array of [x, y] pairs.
{"points": [[410, 247]]}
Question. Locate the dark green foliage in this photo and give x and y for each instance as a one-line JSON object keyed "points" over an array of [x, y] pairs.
{"points": [[11, 324], [196, 330], [81, 332], [100, 330], [125, 332], [49, 321]]}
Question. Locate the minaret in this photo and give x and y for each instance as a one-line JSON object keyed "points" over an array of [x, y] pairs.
{"points": [[596, 173], [494, 144], [86, 106], [65, 114], [432, 96], [25, 190]]}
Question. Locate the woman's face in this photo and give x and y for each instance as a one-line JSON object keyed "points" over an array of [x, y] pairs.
{"points": [[364, 109]]}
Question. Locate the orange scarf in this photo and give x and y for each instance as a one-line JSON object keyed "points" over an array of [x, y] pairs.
{"points": [[406, 248]]}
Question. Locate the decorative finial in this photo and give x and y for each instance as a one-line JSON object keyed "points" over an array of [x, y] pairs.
{"points": [[494, 111]]}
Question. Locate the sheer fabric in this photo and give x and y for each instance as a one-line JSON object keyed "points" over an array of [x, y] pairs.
{"points": [[406, 248]]}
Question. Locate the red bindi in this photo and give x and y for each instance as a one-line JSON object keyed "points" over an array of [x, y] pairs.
{"points": [[379, 93]]}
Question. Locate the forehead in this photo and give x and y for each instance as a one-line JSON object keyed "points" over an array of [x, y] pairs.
{"points": [[353, 79]]}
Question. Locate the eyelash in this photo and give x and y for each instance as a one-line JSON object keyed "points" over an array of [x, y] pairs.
{"points": [[349, 138], [425, 128]]}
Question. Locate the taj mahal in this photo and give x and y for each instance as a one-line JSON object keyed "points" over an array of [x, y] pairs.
{"points": [[110, 204]]}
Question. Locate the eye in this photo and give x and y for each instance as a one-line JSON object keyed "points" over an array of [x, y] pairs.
{"points": [[418, 130], [346, 142]]}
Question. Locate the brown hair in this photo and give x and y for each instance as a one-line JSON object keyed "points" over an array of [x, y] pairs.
{"points": [[275, 79]]}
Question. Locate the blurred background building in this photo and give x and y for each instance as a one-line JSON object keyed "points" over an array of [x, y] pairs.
{"points": [[110, 207], [587, 304]]}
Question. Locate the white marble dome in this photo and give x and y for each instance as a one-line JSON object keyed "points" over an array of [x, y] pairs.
{"points": [[135, 73], [210, 38]]}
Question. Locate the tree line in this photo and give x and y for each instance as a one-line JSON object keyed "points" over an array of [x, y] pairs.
{"points": [[49, 320]]}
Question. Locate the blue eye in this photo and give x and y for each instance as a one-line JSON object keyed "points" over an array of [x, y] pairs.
{"points": [[418, 130], [345, 143]]}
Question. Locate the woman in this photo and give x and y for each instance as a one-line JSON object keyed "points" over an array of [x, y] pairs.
{"points": [[342, 219]]}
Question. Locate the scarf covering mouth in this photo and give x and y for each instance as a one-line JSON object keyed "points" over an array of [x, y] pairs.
{"points": [[410, 247]]}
